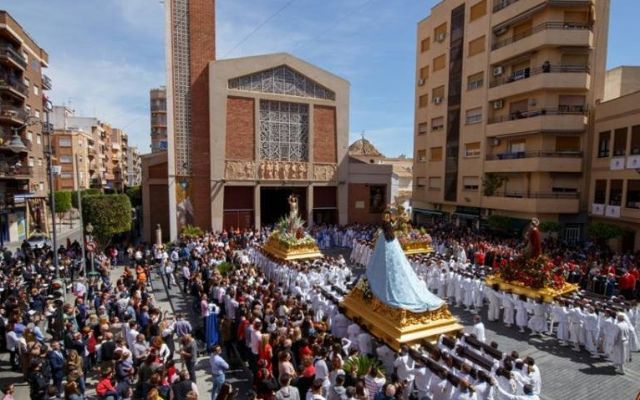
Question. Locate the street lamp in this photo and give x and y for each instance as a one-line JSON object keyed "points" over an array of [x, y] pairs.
{"points": [[90, 245]]}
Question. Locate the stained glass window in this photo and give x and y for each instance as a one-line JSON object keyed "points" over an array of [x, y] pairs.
{"points": [[284, 131], [282, 80]]}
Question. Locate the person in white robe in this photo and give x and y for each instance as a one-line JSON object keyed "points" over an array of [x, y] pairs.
{"points": [[508, 305], [538, 321], [561, 316], [522, 314], [620, 354], [591, 327]]}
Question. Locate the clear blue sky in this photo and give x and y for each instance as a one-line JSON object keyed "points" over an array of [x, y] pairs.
{"points": [[105, 55]]}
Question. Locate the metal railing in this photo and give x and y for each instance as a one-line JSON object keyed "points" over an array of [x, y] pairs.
{"points": [[536, 195], [512, 155], [560, 110], [539, 28], [9, 81], [16, 113], [11, 53], [46, 82], [23, 170], [544, 69]]}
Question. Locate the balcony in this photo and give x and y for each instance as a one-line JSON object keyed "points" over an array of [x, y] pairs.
{"points": [[13, 115], [542, 161], [573, 77], [534, 202], [8, 54], [553, 33], [46, 82], [563, 118], [15, 172], [13, 86]]}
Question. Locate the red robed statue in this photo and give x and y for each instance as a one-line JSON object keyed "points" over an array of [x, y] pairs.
{"points": [[534, 247]]}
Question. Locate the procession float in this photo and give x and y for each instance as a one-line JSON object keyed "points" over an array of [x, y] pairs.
{"points": [[532, 274], [289, 240], [412, 241], [391, 301]]}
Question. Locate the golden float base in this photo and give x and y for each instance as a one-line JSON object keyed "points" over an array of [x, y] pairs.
{"points": [[396, 326], [547, 294], [419, 250], [283, 251]]}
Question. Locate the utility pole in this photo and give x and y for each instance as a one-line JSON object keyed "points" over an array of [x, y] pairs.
{"points": [[79, 197], [54, 235]]}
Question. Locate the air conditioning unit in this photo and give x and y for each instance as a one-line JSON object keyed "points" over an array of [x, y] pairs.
{"points": [[495, 142], [421, 82], [440, 37], [497, 71], [437, 100], [500, 31], [498, 104]]}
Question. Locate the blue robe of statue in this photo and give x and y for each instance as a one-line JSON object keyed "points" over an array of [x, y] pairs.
{"points": [[393, 281]]}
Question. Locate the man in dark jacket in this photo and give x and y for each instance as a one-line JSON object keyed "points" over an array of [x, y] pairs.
{"points": [[56, 360], [37, 382]]}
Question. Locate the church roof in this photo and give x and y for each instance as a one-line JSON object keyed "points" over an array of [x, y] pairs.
{"points": [[362, 147]]}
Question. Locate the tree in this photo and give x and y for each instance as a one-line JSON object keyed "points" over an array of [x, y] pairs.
{"points": [[63, 202], [83, 193], [602, 232], [492, 182], [500, 223], [549, 227], [135, 195], [108, 214]]}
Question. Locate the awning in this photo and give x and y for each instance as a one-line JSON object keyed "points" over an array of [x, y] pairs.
{"points": [[466, 216], [427, 212]]}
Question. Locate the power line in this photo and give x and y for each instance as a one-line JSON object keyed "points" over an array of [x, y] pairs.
{"points": [[257, 28]]}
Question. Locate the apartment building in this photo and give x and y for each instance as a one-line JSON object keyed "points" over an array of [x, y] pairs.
{"points": [[134, 167], [71, 152], [504, 96], [158, 108], [615, 160], [23, 182]]}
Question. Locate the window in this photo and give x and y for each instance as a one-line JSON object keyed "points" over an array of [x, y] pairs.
{"points": [[475, 81], [437, 95], [568, 143], [565, 183], [470, 183], [66, 175], [284, 131], [31, 162], [603, 144], [440, 33], [39, 162], [600, 193], [26, 56], [36, 90], [30, 136], [436, 154], [80, 142], [517, 145], [620, 142], [38, 138], [615, 192], [579, 17], [425, 44], [27, 82], [423, 127], [41, 186], [421, 181], [633, 193], [37, 114], [424, 73], [64, 142], [437, 123], [572, 59], [27, 108], [474, 116], [635, 139], [478, 10], [439, 62], [423, 100], [472, 149], [476, 46], [518, 109], [435, 183], [571, 104], [422, 155], [66, 159]]}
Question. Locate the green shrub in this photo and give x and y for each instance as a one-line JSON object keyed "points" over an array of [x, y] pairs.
{"points": [[600, 231], [109, 215], [135, 195], [63, 202], [83, 193], [361, 364], [190, 231], [225, 267]]}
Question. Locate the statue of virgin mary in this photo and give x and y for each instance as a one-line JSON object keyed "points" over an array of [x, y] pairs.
{"points": [[391, 278]]}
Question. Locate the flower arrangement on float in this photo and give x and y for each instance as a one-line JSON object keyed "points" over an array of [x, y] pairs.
{"points": [[411, 240], [536, 273]]}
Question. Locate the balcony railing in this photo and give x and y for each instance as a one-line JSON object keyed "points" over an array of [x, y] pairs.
{"points": [[529, 72], [537, 195], [7, 51], [8, 81], [46, 82], [561, 110], [511, 155], [13, 171], [14, 113], [539, 28]]}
